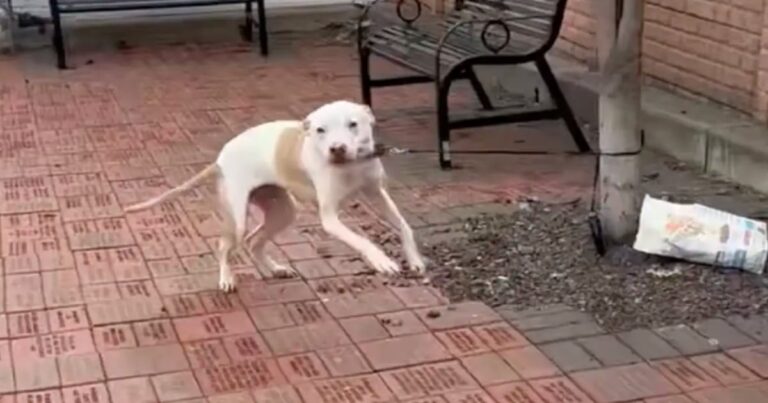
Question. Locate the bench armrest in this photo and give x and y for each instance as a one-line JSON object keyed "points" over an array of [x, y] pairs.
{"points": [[484, 34]]}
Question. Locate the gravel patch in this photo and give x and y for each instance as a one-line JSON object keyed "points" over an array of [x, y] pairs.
{"points": [[543, 254]]}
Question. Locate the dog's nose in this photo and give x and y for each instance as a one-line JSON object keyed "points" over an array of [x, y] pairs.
{"points": [[338, 150]]}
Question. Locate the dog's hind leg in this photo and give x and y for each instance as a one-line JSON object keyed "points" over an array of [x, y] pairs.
{"points": [[279, 212], [234, 207]]}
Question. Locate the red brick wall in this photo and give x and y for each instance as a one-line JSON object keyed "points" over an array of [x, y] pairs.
{"points": [[717, 49], [708, 47], [577, 36]]}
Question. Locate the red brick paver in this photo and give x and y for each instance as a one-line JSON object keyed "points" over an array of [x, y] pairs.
{"points": [[99, 307]]}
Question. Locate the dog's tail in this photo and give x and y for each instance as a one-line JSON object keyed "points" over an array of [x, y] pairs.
{"points": [[189, 184]]}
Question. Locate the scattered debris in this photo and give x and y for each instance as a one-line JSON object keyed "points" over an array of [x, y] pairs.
{"points": [[324, 252], [433, 314], [664, 273], [322, 288], [284, 274], [651, 176], [543, 255], [389, 322], [123, 45]]}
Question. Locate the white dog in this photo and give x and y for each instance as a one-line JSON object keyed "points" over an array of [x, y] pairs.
{"points": [[326, 158]]}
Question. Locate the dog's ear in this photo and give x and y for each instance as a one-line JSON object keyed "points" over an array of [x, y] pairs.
{"points": [[306, 125], [368, 111]]}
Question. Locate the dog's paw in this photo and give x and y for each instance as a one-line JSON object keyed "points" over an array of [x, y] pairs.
{"points": [[282, 271], [385, 265], [417, 264], [227, 282]]}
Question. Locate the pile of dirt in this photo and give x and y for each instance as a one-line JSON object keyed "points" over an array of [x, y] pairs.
{"points": [[544, 254]]}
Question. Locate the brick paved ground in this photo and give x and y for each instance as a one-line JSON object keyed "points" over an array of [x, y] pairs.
{"points": [[102, 307]]}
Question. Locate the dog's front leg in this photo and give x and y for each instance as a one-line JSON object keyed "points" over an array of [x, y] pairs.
{"points": [[329, 217], [380, 194]]}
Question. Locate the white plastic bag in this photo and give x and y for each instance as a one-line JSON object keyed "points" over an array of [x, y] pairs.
{"points": [[701, 234]]}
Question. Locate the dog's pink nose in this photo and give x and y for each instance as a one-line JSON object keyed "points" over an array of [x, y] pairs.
{"points": [[338, 150]]}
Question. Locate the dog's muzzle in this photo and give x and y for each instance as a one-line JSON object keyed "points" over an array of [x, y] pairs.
{"points": [[338, 154]]}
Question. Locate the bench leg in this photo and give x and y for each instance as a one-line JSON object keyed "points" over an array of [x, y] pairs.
{"points": [[58, 39], [562, 105], [248, 28], [482, 96], [263, 40], [365, 75], [443, 124]]}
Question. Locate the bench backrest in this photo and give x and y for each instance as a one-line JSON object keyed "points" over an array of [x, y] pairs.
{"points": [[536, 22], [529, 25]]}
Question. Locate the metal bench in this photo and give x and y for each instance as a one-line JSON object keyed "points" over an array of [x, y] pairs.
{"points": [[59, 7], [444, 49]]}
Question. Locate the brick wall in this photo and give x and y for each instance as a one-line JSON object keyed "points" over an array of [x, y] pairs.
{"points": [[717, 49], [708, 47], [577, 36]]}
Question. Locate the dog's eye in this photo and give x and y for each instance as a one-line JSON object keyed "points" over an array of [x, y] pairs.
{"points": [[320, 130], [353, 125]]}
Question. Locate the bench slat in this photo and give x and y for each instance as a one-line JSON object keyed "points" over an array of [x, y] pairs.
{"points": [[410, 38], [523, 6], [530, 22], [413, 45], [518, 32], [70, 6], [418, 49]]}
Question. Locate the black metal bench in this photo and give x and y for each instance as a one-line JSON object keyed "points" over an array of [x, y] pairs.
{"points": [[444, 49], [59, 7]]}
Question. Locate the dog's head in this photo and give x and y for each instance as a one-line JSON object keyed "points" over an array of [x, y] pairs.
{"points": [[341, 131]]}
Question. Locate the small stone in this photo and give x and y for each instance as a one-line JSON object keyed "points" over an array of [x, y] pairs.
{"points": [[433, 314]]}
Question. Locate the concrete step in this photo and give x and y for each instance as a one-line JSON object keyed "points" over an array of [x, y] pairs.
{"points": [[717, 140], [714, 138]]}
